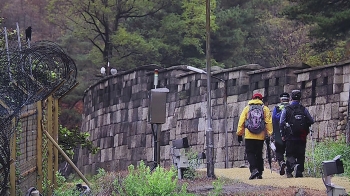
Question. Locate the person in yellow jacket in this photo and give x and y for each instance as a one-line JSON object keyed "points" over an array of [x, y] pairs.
{"points": [[254, 138]]}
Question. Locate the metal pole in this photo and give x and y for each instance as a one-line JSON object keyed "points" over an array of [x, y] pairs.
{"points": [[225, 124], [225, 109], [8, 54], [225, 118], [347, 135], [13, 166], [108, 70], [39, 162], [209, 131], [18, 37], [66, 157], [158, 144], [156, 132], [155, 142], [55, 137]]}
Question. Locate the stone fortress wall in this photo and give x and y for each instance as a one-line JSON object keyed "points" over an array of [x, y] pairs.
{"points": [[116, 110]]}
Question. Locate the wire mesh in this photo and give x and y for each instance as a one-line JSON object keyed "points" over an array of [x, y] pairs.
{"points": [[29, 74]]}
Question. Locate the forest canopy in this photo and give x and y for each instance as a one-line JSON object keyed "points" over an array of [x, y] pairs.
{"points": [[331, 19]]}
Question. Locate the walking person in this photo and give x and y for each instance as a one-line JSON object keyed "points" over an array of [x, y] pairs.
{"points": [[295, 121], [276, 136], [255, 123]]}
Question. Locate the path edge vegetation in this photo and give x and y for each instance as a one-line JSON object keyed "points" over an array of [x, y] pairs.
{"points": [[139, 180]]}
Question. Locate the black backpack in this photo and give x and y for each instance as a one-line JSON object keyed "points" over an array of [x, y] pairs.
{"points": [[297, 119]]}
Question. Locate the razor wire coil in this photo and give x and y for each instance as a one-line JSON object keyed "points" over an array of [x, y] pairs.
{"points": [[29, 73]]}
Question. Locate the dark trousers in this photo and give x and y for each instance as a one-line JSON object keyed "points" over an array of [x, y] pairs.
{"points": [[295, 153], [280, 150], [254, 151]]}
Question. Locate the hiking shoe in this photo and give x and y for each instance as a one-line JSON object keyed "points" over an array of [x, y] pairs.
{"points": [[289, 175], [254, 174], [295, 168], [259, 177], [282, 168], [299, 175]]}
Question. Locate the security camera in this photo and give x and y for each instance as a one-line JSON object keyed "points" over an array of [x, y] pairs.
{"points": [[329, 168], [180, 143], [334, 166]]}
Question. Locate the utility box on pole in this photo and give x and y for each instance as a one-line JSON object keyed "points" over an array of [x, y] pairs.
{"points": [[157, 116], [157, 106]]}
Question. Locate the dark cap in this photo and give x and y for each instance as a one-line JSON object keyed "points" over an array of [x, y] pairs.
{"points": [[257, 95], [284, 96], [296, 94]]}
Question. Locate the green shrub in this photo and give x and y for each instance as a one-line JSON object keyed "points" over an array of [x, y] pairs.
{"points": [[190, 171], [142, 182], [100, 173], [326, 150], [66, 191], [217, 184], [103, 182], [64, 188]]}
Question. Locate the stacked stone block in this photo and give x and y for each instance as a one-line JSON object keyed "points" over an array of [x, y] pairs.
{"points": [[326, 95], [116, 110]]}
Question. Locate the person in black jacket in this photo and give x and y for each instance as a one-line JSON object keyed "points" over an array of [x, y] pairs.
{"points": [[279, 143], [295, 122], [29, 34]]}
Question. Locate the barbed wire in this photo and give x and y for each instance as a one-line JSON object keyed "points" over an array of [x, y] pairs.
{"points": [[29, 73]]}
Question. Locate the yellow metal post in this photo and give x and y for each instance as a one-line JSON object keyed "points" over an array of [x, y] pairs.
{"points": [[67, 158], [55, 137], [50, 167], [13, 165], [39, 152]]}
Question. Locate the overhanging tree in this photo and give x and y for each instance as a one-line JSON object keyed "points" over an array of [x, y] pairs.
{"points": [[177, 33], [253, 32], [102, 22], [118, 32], [331, 19]]}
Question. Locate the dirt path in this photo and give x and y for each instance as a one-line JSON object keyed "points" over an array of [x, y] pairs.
{"points": [[274, 179], [271, 184]]}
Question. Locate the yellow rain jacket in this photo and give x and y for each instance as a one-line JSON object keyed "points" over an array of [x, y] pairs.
{"points": [[244, 115]]}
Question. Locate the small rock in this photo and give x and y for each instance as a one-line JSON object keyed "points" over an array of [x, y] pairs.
{"points": [[300, 192]]}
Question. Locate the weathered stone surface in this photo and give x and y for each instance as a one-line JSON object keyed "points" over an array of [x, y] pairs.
{"points": [[327, 115], [118, 118], [344, 96], [319, 110], [165, 152], [346, 87], [303, 77], [106, 154], [201, 137], [149, 141], [338, 79], [321, 100], [337, 88]]}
